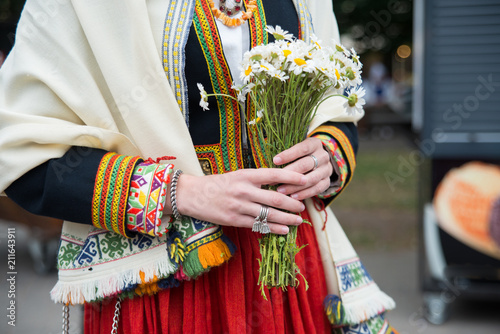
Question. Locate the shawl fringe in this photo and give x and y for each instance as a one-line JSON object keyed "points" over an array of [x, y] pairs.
{"points": [[110, 284]]}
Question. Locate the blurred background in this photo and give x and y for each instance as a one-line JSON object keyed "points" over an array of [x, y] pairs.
{"points": [[424, 220]]}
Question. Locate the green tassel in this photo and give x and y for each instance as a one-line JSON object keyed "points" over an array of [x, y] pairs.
{"points": [[192, 266]]}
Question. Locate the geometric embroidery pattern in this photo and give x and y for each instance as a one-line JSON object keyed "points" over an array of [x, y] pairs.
{"points": [[101, 246], [334, 149], [146, 200], [345, 148], [353, 275]]}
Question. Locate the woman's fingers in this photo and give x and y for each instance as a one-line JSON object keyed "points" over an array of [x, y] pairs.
{"points": [[276, 216], [304, 148], [317, 175], [235, 198], [306, 164], [275, 228], [263, 176]]}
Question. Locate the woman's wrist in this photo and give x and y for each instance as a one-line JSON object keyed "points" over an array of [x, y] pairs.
{"points": [[182, 196]]}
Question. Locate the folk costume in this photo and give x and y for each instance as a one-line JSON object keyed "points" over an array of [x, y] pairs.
{"points": [[92, 93]]}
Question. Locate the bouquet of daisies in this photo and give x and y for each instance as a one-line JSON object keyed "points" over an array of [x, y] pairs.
{"points": [[286, 81]]}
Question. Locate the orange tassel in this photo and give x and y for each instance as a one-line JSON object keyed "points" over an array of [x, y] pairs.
{"points": [[214, 253]]}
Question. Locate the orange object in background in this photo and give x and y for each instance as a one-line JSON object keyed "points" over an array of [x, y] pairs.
{"points": [[464, 205]]}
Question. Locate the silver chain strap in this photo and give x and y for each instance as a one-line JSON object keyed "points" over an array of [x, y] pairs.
{"points": [[65, 322], [116, 318]]}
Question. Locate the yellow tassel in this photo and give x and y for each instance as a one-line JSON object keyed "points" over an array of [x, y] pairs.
{"points": [[213, 254]]}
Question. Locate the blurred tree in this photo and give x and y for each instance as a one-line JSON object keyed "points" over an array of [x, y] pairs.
{"points": [[375, 25]]}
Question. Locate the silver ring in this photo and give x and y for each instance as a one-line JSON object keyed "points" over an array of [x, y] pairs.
{"points": [[315, 162], [257, 221], [264, 211], [264, 228], [260, 222]]}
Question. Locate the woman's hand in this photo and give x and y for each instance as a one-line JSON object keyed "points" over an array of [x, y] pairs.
{"points": [[299, 159], [235, 198]]}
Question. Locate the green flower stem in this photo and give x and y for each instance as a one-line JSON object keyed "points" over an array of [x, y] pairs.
{"points": [[288, 109]]}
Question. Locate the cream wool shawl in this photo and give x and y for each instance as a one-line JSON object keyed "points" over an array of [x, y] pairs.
{"points": [[88, 73]]}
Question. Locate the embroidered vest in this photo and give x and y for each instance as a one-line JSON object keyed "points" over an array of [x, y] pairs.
{"points": [[217, 134]]}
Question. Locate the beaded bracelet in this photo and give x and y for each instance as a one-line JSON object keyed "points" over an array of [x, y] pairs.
{"points": [[173, 194]]}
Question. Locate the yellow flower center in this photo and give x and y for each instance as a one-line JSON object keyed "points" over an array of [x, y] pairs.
{"points": [[337, 74], [287, 52], [248, 70], [299, 61]]}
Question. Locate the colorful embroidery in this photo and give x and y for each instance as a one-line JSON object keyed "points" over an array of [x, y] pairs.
{"points": [[206, 246], [99, 257], [345, 149], [376, 325], [177, 23], [111, 191], [334, 149], [146, 200], [306, 27], [257, 25], [353, 275], [220, 75]]}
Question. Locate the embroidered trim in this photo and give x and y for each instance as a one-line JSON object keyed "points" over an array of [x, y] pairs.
{"points": [[175, 36], [257, 24], [220, 76], [204, 240], [345, 148], [333, 147], [306, 27], [111, 191], [148, 193]]}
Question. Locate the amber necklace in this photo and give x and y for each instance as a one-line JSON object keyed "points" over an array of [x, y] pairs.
{"points": [[223, 12]]}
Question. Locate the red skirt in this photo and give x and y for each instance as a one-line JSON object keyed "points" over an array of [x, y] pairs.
{"points": [[226, 299]]}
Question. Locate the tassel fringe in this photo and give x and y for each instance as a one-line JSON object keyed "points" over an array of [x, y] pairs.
{"points": [[206, 256], [352, 313], [96, 288], [334, 310]]}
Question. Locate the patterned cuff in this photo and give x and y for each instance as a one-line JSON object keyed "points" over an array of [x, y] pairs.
{"points": [[343, 154], [111, 189], [148, 192], [339, 165]]}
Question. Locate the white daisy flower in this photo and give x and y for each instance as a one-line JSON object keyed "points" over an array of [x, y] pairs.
{"points": [[257, 119], [241, 92], [355, 100], [279, 34], [203, 97], [281, 75], [355, 58]]}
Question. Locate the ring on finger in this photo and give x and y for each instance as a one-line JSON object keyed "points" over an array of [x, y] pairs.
{"points": [[264, 228], [258, 220], [315, 161]]}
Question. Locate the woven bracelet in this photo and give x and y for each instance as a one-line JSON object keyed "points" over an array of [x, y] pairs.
{"points": [[173, 194]]}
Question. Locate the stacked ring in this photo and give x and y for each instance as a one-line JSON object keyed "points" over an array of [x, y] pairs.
{"points": [[260, 222]]}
